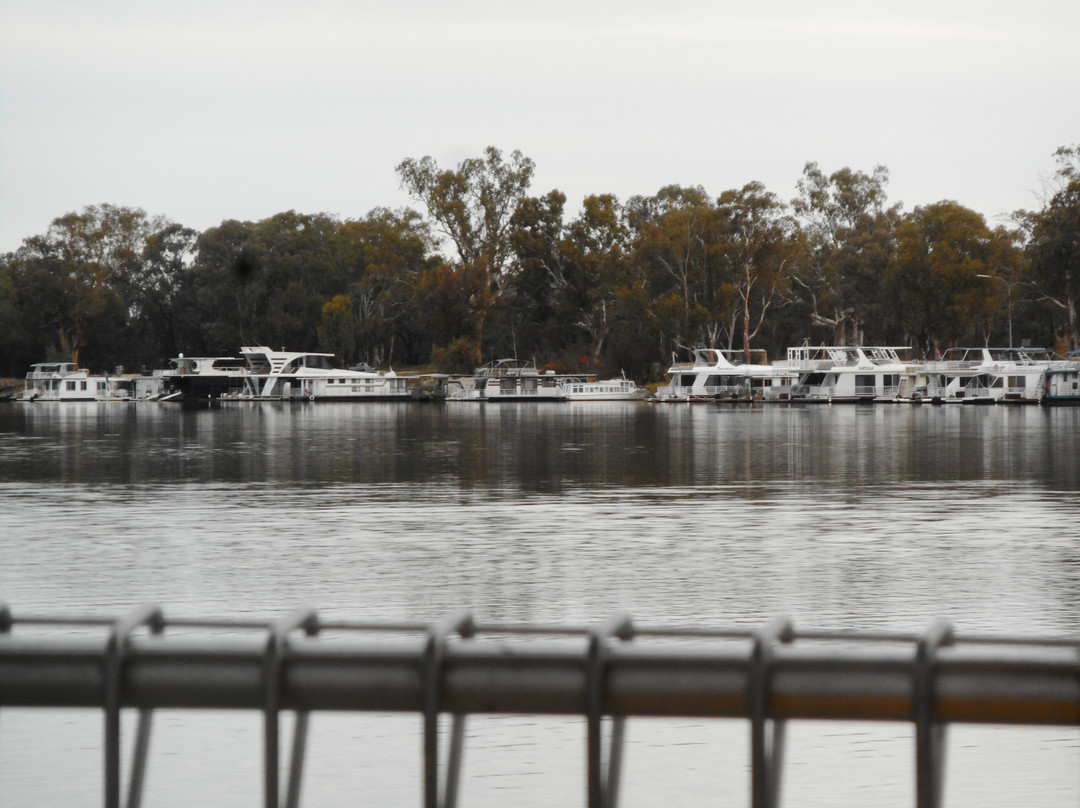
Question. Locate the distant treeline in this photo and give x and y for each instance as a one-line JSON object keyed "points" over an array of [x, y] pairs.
{"points": [[485, 270]]}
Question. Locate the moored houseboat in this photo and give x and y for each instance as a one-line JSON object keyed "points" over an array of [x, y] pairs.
{"points": [[507, 380], [262, 374], [1061, 384], [66, 381], [300, 375], [725, 375], [843, 373], [982, 376], [192, 378]]}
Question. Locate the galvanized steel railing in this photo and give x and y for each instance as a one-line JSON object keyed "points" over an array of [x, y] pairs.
{"points": [[455, 666]]}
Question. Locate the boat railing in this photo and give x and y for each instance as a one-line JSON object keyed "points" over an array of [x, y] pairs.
{"points": [[942, 366], [810, 364], [814, 390], [723, 389]]}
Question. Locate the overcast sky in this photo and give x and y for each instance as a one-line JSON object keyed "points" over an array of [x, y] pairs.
{"points": [[205, 111]]}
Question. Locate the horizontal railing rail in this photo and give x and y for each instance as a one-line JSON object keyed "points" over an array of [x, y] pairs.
{"points": [[607, 674]]}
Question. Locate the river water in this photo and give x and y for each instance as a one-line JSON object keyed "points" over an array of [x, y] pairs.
{"points": [[846, 517]]}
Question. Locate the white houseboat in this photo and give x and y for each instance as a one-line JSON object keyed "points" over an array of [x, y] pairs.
{"points": [[1062, 381], [845, 373], [507, 380], [725, 375], [260, 373], [298, 375], [66, 381], [981, 376]]}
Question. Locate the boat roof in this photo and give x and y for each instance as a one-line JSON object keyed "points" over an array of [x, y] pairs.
{"points": [[282, 354], [509, 367]]}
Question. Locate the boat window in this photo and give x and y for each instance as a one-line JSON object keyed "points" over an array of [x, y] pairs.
{"points": [[319, 362]]}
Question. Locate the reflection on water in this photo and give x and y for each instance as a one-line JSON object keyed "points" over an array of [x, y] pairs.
{"points": [[851, 517], [542, 448]]}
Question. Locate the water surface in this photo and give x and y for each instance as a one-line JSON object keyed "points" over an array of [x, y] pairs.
{"points": [[840, 516]]}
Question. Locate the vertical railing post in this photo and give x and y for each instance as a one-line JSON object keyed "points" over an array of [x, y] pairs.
{"points": [[272, 667], [766, 736], [603, 776], [929, 735], [461, 623], [115, 648], [5, 618]]}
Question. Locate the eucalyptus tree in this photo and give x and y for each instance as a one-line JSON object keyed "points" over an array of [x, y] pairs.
{"points": [[1053, 243], [674, 248], [599, 274], [157, 288], [849, 233], [74, 279], [472, 207], [761, 250], [940, 281], [382, 259], [530, 317]]}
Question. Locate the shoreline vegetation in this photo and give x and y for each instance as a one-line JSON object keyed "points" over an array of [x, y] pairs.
{"points": [[481, 269]]}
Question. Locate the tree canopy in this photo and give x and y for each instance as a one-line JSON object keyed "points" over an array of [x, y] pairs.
{"points": [[484, 269]]}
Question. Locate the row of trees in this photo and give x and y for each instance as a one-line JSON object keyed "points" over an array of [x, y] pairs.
{"points": [[487, 270]]}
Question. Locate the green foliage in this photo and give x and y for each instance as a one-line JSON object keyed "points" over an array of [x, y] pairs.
{"points": [[849, 239], [472, 206], [940, 280], [457, 357], [1053, 246]]}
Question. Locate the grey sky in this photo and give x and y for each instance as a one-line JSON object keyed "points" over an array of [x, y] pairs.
{"points": [[204, 111]]}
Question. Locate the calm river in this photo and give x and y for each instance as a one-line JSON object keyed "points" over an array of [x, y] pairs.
{"points": [[846, 517]]}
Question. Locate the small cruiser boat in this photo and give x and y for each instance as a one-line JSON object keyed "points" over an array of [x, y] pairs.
{"points": [[586, 389]]}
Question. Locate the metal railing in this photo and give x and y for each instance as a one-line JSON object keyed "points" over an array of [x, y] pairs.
{"points": [[606, 673]]}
